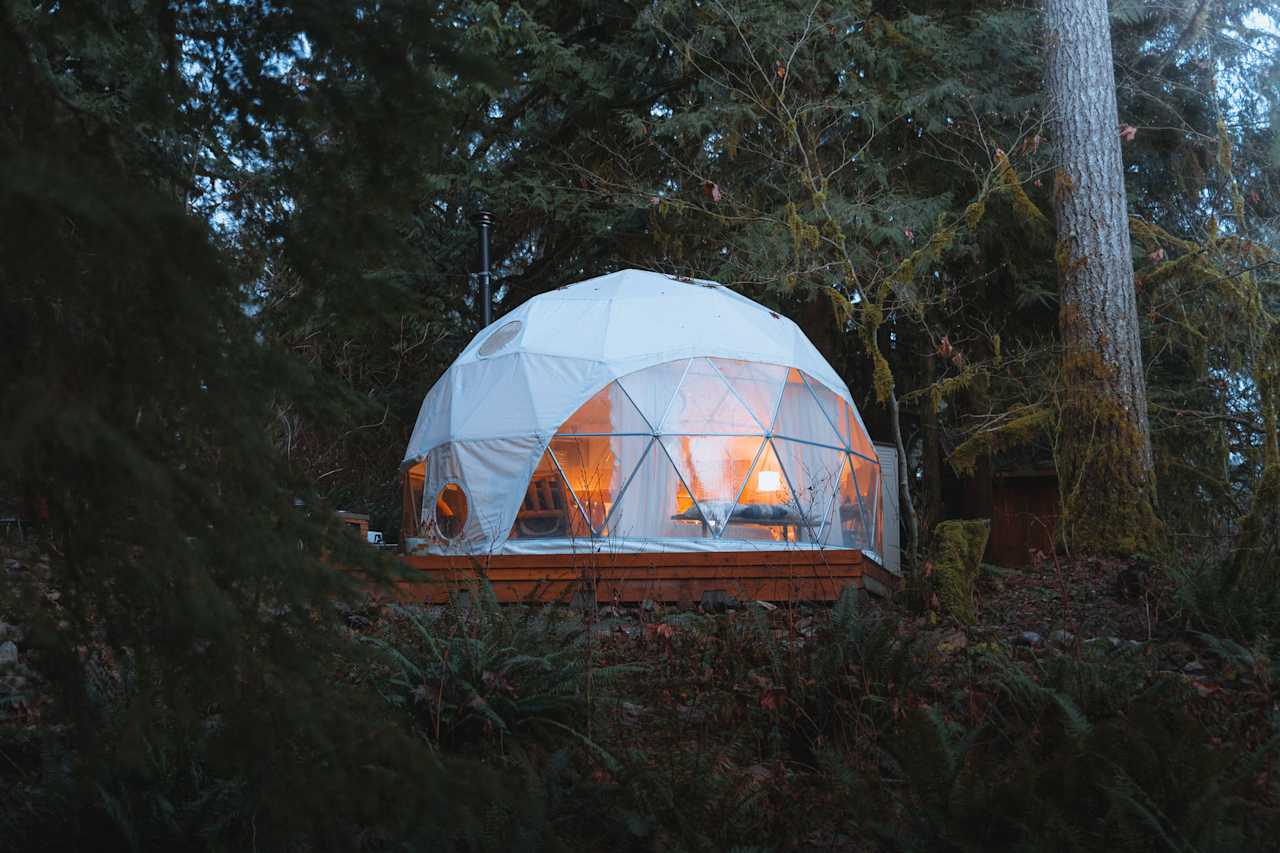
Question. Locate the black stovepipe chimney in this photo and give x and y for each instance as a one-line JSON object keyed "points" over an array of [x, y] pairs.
{"points": [[483, 220]]}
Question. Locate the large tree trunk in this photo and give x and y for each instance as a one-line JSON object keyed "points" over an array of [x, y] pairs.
{"points": [[1104, 459]]}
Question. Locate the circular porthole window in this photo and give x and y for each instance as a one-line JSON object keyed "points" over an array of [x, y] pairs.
{"points": [[500, 338], [451, 511]]}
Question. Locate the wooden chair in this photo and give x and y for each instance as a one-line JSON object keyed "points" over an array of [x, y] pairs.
{"points": [[545, 510]]}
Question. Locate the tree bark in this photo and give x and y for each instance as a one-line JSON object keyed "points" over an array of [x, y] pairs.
{"points": [[1104, 460]]}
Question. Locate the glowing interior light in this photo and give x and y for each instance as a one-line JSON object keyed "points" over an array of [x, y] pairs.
{"points": [[768, 481]]}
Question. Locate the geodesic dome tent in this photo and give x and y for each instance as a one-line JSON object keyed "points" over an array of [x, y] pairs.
{"points": [[639, 412]]}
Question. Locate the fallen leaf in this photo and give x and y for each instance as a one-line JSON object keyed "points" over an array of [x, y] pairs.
{"points": [[1204, 689], [711, 190], [659, 630], [771, 700]]}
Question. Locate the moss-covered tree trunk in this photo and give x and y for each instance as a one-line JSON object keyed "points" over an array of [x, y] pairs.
{"points": [[1104, 459]]}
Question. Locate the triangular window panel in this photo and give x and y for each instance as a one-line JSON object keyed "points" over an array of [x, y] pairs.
{"points": [[844, 417], [847, 527], [766, 508], [655, 503], [596, 470], [870, 491], [756, 384], [714, 468], [609, 411], [800, 417], [705, 404], [548, 509], [813, 473], [651, 389], [875, 513]]}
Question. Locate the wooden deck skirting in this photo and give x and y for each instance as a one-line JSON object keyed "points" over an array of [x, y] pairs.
{"points": [[665, 577]]}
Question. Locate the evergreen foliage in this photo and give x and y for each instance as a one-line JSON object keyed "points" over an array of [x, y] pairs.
{"points": [[192, 638]]}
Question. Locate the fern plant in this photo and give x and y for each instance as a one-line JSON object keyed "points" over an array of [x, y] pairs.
{"points": [[1215, 598], [482, 670], [862, 672]]}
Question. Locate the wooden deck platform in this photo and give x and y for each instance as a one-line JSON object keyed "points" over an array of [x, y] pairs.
{"points": [[667, 577]]}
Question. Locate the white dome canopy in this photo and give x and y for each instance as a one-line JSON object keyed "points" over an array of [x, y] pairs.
{"points": [[488, 424]]}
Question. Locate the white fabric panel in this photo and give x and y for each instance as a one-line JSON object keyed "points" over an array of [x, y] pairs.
{"points": [[548, 319], [492, 400], [441, 468], [558, 387], [433, 426], [494, 475]]}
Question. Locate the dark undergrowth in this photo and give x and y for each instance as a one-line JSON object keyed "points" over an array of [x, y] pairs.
{"points": [[1085, 711]]}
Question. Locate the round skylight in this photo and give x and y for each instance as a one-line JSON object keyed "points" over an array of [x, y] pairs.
{"points": [[501, 338]]}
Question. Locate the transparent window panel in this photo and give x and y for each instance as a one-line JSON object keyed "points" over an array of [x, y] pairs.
{"points": [[548, 510], [847, 527], [651, 389], [414, 486], [844, 417], [655, 503], [814, 476], [595, 471], [766, 509], [877, 515], [801, 417], [704, 403], [758, 386], [714, 468], [609, 411], [867, 478]]}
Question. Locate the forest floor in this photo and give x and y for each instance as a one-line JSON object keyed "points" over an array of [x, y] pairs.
{"points": [[864, 725], [798, 727]]}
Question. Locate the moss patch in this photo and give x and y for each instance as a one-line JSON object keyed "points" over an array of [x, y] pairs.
{"points": [[958, 548], [1026, 210], [1025, 425], [1108, 497]]}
